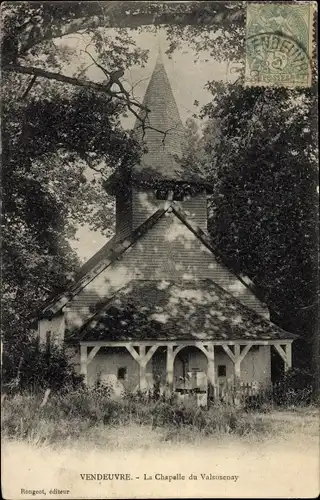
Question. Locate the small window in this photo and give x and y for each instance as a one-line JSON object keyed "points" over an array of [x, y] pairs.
{"points": [[222, 370], [122, 373]]}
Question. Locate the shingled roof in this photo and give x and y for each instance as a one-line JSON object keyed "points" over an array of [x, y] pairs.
{"points": [[163, 116], [171, 310], [114, 248], [94, 266], [163, 136]]}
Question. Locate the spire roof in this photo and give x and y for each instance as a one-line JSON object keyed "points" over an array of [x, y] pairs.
{"points": [[164, 133], [163, 139], [160, 56]]}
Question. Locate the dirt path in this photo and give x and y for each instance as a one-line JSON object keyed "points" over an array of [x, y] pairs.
{"points": [[285, 465]]}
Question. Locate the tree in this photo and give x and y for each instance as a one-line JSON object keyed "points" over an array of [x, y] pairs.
{"points": [[193, 151], [38, 23], [262, 144], [52, 134]]}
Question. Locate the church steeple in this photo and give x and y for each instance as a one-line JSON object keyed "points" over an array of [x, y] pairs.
{"points": [[162, 133], [160, 174], [160, 55]]}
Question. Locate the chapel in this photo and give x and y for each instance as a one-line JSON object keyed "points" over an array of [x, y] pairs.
{"points": [[157, 305]]}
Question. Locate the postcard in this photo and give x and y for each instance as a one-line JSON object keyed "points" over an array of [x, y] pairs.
{"points": [[159, 250]]}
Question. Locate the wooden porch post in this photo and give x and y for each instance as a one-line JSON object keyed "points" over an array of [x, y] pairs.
{"points": [[237, 356], [211, 375], [142, 368], [237, 361], [288, 364], [84, 362], [170, 364], [286, 354], [142, 359]]}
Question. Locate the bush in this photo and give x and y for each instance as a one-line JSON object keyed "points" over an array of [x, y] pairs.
{"points": [[295, 388], [42, 367]]}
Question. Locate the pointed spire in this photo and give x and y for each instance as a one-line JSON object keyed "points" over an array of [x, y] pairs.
{"points": [[160, 55], [164, 134], [164, 114]]}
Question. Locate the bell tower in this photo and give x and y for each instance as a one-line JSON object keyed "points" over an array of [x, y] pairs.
{"points": [[159, 177]]}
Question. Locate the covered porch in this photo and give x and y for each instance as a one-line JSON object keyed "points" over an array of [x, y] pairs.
{"points": [[190, 335], [165, 357]]}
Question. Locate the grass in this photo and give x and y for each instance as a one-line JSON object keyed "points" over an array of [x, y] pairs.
{"points": [[86, 413], [91, 416], [274, 453], [279, 459]]}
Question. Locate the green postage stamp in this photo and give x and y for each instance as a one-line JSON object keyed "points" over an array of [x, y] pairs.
{"points": [[279, 44]]}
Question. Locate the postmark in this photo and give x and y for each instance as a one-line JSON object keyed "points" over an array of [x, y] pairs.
{"points": [[279, 45]]}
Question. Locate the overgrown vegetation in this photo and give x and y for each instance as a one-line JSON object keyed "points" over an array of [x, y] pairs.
{"points": [[295, 388], [75, 410], [68, 416], [40, 367], [48, 403]]}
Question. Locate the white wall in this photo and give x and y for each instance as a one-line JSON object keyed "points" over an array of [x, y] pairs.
{"points": [[256, 366], [104, 367]]}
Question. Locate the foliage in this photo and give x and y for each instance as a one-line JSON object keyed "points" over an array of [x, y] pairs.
{"points": [[41, 367], [294, 388], [218, 30], [263, 212], [194, 148], [59, 142], [30, 29], [40, 23]]}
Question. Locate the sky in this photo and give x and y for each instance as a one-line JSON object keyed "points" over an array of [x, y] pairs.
{"points": [[187, 78]]}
